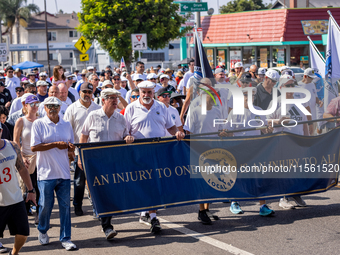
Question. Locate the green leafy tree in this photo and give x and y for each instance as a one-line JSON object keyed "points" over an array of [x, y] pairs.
{"points": [[111, 23], [243, 5]]}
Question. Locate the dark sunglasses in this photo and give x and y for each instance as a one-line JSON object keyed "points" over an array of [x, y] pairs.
{"points": [[134, 97], [70, 78], [116, 79], [166, 95], [82, 75], [96, 80], [153, 79], [10, 71], [51, 106], [87, 91], [19, 90], [32, 92], [290, 85]]}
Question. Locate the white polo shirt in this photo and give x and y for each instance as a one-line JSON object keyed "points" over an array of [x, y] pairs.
{"points": [[11, 84], [74, 92], [53, 163], [100, 128], [62, 111], [175, 116], [76, 114], [144, 123], [16, 105]]}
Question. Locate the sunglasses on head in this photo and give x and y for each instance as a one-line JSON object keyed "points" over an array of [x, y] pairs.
{"points": [[134, 97], [165, 95], [51, 106]]}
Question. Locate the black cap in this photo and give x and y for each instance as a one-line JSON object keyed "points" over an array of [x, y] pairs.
{"points": [[2, 84], [162, 91], [35, 69], [246, 77]]}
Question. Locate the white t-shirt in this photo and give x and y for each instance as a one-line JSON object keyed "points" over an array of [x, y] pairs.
{"points": [[197, 123], [312, 102], [10, 192], [144, 123], [16, 105], [236, 122], [181, 86], [42, 112], [76, 114], [74, 93], [11, 84], [100, 128], [123, 92], [175, 116], [186, 77], [53, 163], [294, 112]]}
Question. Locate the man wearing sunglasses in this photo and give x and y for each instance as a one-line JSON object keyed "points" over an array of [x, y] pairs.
{"points": [[164, 79], [76, 114], [43, 77], [105, 124], [116, 84], [53, 169], [148, 118], [53, 92], [133, 97], [163, 96], [11, 81], [264, 93], [42, 90]]}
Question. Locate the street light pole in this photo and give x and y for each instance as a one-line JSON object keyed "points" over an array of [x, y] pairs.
{"points": [[198, 16], [47, 47]]}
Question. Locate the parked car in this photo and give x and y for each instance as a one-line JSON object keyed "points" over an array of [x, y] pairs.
{"points": [[298, 72]]}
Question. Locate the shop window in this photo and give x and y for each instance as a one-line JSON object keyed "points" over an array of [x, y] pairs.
{"points": [[297, 53], [248, 56]]}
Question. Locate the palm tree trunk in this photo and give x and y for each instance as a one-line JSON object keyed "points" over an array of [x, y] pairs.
{"points": [[10, 42]]}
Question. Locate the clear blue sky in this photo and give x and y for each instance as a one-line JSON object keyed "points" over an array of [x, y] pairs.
{"points": [[74, 5]]}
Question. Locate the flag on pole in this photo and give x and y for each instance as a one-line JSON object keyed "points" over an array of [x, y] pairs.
{"points": [[332, 72], [201, 71], [122, 63], [316, 59]]}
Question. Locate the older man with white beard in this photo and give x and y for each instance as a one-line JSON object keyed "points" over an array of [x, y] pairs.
{"points": [[148, 118]]}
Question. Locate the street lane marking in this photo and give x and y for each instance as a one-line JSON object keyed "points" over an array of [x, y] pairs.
{"points": [[203, 238]]}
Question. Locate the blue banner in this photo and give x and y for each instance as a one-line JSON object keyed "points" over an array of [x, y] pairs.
{"points": [[160, 173]]}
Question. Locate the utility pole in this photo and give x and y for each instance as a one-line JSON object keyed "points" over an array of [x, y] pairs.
{"points": [[198, 16], [47, 47]]}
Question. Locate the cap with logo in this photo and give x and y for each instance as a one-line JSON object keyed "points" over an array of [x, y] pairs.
{"points": [[24, 96], [52, 100], [107, 92], [42, 83], [146, 85], [285, 78], [31, 99], [162, 91], [86, 86], [115, 74], [310, 73], [219, 70], [261, 70], [272, 74], [238, 64]]}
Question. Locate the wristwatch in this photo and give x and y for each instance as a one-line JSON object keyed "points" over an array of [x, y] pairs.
{"points": [[31, 191]]}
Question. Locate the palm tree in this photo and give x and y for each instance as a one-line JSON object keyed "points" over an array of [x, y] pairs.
{"points": [[15, 12]]}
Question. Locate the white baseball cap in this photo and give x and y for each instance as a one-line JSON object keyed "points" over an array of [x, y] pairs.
{"points": [[43, 74], [284, 68], [261, 70], [164, 76], [108, 92], [146, 85], [89, 68], [107, 82], [138, 77], [52, 100], [42, 83], [68, 74], [310, 73], [151, 76], [285, 78], [272, 74], [24, 96], [238, 64], [122, 78]]}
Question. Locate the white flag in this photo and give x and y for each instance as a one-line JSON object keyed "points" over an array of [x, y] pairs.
{"points": [[332, 72], [316, 60]]}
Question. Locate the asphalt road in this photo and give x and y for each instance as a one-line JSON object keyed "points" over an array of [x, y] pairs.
{"points": [[309, 230]]}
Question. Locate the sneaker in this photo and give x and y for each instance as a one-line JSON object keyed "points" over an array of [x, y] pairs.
{"points": [[203, 217], [69, 246], [285, 204], [110, 233], [155, 226], [265, 211], [298, 200], [3, 249], [43, 238], [145, 219], [78, 211], [211, 216], [235, 208]]}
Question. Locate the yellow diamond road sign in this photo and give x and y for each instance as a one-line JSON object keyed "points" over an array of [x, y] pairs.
{"points": [[84, 57], [82, 45]]}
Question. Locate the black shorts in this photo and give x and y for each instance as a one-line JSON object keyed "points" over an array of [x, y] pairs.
{"points": [[15, 216]]}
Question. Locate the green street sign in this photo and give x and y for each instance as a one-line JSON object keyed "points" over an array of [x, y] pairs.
{"points": [[193, 7]]}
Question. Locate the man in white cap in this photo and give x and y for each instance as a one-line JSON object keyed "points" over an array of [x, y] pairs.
{"points": [[239, 70], [53, 92], [52, 138], [90, 69], [148, 118], [42, 90], [137, 78], [72, 92], [43, 77], [307, 83], [264, 93], [164, 79], [220, 76], [105, 124], [261, 74], [76, 114]]}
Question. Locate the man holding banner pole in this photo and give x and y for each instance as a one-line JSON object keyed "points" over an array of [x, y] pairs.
{"points": [[148, 118], [105, 124]]}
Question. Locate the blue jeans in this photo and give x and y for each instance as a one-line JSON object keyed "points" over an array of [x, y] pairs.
{"points": [[46, 202]]}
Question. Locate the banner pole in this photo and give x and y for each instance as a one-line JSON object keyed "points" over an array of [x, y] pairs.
{"points": [[316, 49], [336, 23]]}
